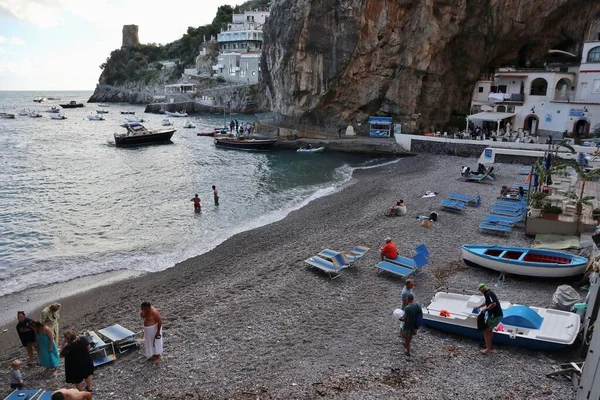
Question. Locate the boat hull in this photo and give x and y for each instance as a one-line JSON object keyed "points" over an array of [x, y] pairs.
{"points": [[162, 137], [317, 150], [474, 255], [249, 145], [71, 105], [172, 114]]}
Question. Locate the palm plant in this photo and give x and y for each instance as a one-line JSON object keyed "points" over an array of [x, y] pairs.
{"points": [[563, 143]]}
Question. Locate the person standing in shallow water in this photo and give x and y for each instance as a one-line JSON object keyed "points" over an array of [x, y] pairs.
{"points": [[215, 195], [197, 203]]}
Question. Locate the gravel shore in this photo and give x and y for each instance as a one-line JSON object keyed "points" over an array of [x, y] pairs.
{"points": [[250, 320]]}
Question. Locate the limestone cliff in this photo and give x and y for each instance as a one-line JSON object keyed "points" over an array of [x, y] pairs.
{"points": [[327, 61]]}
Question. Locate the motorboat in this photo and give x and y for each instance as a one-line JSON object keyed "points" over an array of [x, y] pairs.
{"points": [[23, 113], [133, 119], [35, 114], [254, 143], [40, 99], [311, 150], [6, 115], [103, 105], [53, 110], [127, 112], [57, 116], [137, 134], [540, 263], [97, 117], [523, 326], [102, 111], [188, 124], [176, 114], [72, 104], [166, 122], [53, 98]]}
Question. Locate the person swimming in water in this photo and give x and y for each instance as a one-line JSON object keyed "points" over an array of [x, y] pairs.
{"points": [[197, 203]]}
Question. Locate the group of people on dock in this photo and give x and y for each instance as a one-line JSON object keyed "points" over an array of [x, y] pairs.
{"points": [[42, 337], [245, 128]]}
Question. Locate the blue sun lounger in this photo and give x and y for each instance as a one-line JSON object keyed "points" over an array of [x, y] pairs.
{"points": [[491, 227], [26, 394], [474, 200], [477, 177], [329, 267], [45, 396], [402, 266], [510, 207], [502, 220], [507, 213], [453, 205], [343, 258]]}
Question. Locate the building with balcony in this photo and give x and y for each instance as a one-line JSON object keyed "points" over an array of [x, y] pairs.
{"points": [[557, 100], [240, 48]]}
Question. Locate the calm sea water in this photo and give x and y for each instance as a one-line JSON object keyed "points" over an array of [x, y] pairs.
{"points": [[72, 204]]}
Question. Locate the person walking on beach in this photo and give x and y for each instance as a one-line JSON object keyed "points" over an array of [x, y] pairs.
{"points": [[15, 378], [389, 250], [407, 291], [494, 310], [70, 394], [79, 366], [215, 195], [153, 342], [47, 349], [26, 334], [412, 315], [50, 316], [197, 203]]}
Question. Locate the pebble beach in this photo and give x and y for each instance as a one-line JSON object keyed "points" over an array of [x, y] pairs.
{"points": [[250, 319]]}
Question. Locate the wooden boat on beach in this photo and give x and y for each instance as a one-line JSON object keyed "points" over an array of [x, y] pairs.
{"points": [[136, 134], [256, 143], [524, 261], [529, 327], [72, 104]]}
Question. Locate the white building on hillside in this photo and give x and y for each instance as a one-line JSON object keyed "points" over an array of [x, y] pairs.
{"points": [[562, 99], [240, 48]]}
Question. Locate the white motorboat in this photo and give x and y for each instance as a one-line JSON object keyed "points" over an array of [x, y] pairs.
{"points": [[133, 119], [311, 150], [35, 114], [57, 116], [530, 327], [136, 134], [166, 122], [53, 110], [102, 111], [188, 124], [176, 114], [23, 113], [97, 117]]}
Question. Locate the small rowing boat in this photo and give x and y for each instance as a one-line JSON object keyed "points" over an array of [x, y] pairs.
{"points": [[311, 150]]}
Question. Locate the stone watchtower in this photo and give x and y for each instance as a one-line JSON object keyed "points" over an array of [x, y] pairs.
{"points": [[130, 36]]}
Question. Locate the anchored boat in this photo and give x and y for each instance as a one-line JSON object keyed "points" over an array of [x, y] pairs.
{"points": [[72, 104], [256, 143], [524, 261], [529, 327], [137, 134]]}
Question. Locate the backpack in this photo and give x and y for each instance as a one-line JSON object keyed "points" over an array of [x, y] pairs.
{"points": [[433, 216]]}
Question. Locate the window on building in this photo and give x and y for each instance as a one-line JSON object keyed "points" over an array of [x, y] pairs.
{"points": [[501, 109], [501, 88], [510, 109], [594, 55], [480, 89], [539, 86], [246, 65], [596, 86]]}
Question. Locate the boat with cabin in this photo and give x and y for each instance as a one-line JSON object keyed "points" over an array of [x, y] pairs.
{"points": [[540, 263], [72, 104], [522, 326], [53, 110], [136, 134], [6, 115], [253, 143]]}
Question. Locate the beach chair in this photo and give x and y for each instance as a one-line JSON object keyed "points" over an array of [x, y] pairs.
{"points": [[509, 206], [47, 395], [453, 205], [477, 177], [524, 171], [508, 213], [495, 228], [122, 338], [402, 266], [503, 220], [360, 251], [351, 257], [332, 268], [474, 200], [410, 262], [25, 394]]}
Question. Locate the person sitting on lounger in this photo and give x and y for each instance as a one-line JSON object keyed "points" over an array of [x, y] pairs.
{"points": [[465, 172], [389, 250], [71, 394]]}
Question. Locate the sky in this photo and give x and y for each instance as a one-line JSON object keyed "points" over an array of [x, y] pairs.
{"points": [[60, 44]]}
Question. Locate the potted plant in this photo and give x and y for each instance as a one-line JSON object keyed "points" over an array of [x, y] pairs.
{"points": [[551, 212], [536, 203], [584, 176], [596, 213]]}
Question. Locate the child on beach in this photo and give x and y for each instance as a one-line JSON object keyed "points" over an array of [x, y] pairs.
{"points": [[15, 378]]}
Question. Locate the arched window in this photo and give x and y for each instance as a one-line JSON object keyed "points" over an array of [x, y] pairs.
{"points": [[594, 55], [501, 109], [539, 86]]}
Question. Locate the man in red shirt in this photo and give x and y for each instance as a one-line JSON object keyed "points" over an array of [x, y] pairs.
{"points": [[389, 250]]}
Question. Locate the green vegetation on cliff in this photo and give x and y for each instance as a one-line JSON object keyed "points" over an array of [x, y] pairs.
{"points": [[140, 64]]}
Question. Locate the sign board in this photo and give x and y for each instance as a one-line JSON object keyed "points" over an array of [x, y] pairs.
{"points": [[576, 112], [380, 126], [397, 129]]}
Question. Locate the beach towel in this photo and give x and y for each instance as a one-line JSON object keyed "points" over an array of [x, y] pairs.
{"points": [[429, 194], [153, 346]]}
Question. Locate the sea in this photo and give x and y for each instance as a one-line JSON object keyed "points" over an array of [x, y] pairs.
{"points": [[74, 205]]}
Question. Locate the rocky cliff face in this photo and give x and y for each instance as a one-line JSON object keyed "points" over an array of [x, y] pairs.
{"points": [[328, 61]]}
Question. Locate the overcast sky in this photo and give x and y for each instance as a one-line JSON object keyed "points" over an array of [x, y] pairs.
{"points": [[59, 44]]}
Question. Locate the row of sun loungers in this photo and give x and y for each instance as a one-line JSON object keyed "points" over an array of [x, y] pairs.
{"points": [[504, 215], [458, 201], [333, 262]]}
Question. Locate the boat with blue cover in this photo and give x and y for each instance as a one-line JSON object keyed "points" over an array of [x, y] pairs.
{"points": [[522, 326], [540, 263]]}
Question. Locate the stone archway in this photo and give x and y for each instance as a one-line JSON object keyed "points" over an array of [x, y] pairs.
{"points": [[531, 123], [581, 128]]}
